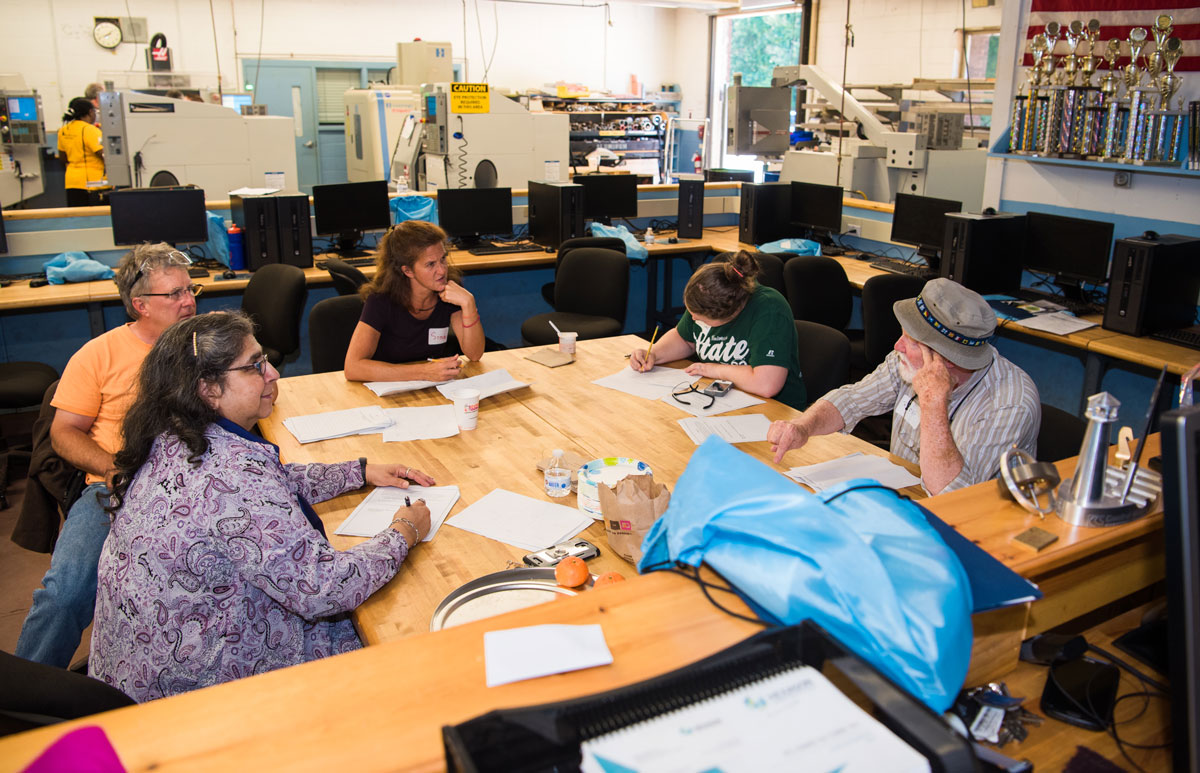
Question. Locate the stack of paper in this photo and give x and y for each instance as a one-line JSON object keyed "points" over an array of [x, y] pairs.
{"points": [[323, 426], [733, 429], [857, 465], [385, 388], [378, 510], [427, 423], [653, 384], [1060, 323], [524, 522], [489, 384]]}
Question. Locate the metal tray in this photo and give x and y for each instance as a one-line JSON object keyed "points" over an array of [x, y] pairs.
{"points": [[497, 593]]}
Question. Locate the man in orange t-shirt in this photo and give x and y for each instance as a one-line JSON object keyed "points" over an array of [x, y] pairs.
{"points": [[93, 395]]}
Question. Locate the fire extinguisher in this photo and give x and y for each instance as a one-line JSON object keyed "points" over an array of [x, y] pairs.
{"points": [[697, 162]]}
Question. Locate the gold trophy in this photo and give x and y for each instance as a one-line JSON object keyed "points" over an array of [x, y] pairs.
{"points": [[1050, 123], [1113, 131], [1091, 61], [1091, 123], [1165, 145], [1136, 135]]}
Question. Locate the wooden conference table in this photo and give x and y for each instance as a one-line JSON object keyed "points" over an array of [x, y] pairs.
{"points": [[382, 708]]}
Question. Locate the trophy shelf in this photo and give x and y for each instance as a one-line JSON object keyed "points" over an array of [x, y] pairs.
{"points": [[1107, 166]]}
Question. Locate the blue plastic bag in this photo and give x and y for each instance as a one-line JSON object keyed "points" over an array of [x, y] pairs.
{"points": [[75, 267], [794, 246], [858, 559], [413, 207], [217, 246], [634, 249]]}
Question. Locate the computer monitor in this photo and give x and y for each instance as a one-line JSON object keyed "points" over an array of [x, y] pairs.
{"points": [[1072, 249], [236, 101], [729, 175], [172, 215], [1181, 532], [921, 222], [469, 214], [345, 210], [817, 208], [22, 108], [606, 196]]}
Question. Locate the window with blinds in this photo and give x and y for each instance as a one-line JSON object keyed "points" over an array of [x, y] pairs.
{"points": [[332, 84]]}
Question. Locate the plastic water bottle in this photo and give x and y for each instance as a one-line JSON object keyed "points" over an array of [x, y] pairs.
{"points": [[558, 477], [649, 237], [237, 249]]}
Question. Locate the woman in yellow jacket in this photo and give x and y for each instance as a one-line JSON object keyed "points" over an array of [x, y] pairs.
{"points": [[79, 145]]}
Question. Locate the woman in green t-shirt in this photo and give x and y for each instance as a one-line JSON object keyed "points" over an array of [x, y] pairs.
{"points": [[739, 330]]}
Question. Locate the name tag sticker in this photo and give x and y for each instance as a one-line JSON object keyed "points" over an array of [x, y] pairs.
{"points": [[438, 335], [912, 416]]}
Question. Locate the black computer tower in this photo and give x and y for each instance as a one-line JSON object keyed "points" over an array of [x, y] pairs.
{"points": [[1154, 284], [983, 252], [295, 230], [258, 218], [555, 212], [765, 213], [691, 209]]}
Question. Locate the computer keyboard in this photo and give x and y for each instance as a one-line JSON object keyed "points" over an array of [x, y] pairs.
{"points": [[900, 267], [500, 249], [1078, 308], [1184, 336], [369, 260]]}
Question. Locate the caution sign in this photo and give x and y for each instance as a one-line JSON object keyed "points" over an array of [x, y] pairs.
{"points": [[469, 98]]}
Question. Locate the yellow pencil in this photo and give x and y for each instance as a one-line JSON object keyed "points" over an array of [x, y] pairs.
{"points": [[651, 346]]}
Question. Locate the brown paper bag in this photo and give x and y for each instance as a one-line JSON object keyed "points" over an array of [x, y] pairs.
{"points": [[629, 509]]}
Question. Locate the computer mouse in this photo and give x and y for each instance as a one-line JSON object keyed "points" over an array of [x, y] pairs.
{"points": [[673, 240], [1150, 235], [989, 210], [229, 274], [549, 249]]}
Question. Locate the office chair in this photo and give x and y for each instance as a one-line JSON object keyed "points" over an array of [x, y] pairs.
{"points": [[274, 299], [880, 326], [818, 290], [1060, 435], [346, 278], [770, 267], [607, 242], [331, 324], [590, 296], [36, 695], [824, 358], [22, 385]]}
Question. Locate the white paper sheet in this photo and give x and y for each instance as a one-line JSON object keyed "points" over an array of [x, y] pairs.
{"points": [[1060, 323], [332, 424], [385, 388], [427, 423], [248, 191], [857, 465], [650, 385], [734, 429], [489, 384], [524, 522], [376, 512], [730, 401], [515, 654]]}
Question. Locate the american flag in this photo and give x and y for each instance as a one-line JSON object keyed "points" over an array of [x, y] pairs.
{"points": [[1117, 17]]}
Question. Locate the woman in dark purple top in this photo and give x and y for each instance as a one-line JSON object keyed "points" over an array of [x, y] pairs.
{"points": [[412, 304]]}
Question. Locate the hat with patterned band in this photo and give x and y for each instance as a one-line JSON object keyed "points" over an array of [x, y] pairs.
{"points": [[955, 322]]}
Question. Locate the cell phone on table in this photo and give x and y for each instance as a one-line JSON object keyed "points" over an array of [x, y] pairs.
{"points": [[718, 388], [551, 556]]}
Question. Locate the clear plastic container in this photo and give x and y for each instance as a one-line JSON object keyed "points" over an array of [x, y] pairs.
{"points": [[558, 476]]}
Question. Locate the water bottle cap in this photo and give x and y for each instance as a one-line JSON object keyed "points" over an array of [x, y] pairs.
{"points": [[557, 452]]}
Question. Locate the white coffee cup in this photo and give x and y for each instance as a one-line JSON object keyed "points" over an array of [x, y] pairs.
{"points": [[466, 408], [566, 341]]}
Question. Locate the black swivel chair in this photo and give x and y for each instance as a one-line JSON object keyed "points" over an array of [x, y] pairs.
{"points": [[770, 267], [36, 695], [1060, 435], [824, 358], [818, 290], [590, 296], [880, 326], [346, 278], [331, 324], [606, 242], [274, 299], [22, 385]]}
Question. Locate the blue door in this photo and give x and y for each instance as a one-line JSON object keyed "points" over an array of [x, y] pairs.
{"points": [[289, 88]]}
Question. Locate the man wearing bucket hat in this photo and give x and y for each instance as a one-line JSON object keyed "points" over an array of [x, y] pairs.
{"points": [[956, 404]]}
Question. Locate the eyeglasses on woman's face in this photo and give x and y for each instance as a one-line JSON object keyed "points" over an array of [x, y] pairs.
{"points": [[177, 294], [260, 365]]}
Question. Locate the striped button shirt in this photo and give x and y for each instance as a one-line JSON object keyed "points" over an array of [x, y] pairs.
{"points": [[997, 407]]}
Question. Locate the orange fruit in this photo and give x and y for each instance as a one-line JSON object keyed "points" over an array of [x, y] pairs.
{"points": [[608, 578], [571, 572]]}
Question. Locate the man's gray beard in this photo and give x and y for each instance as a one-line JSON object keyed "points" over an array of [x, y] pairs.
{"points": [[905, 369]]}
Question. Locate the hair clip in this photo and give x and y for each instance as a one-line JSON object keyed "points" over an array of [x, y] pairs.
{"points": [[195, 349], [735, 270]]}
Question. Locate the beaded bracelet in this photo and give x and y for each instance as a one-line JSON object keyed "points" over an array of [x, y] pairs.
{"points": [[410, 525]]}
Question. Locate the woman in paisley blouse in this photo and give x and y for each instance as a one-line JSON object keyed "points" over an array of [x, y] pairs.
{"points": [[216, 566]]}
